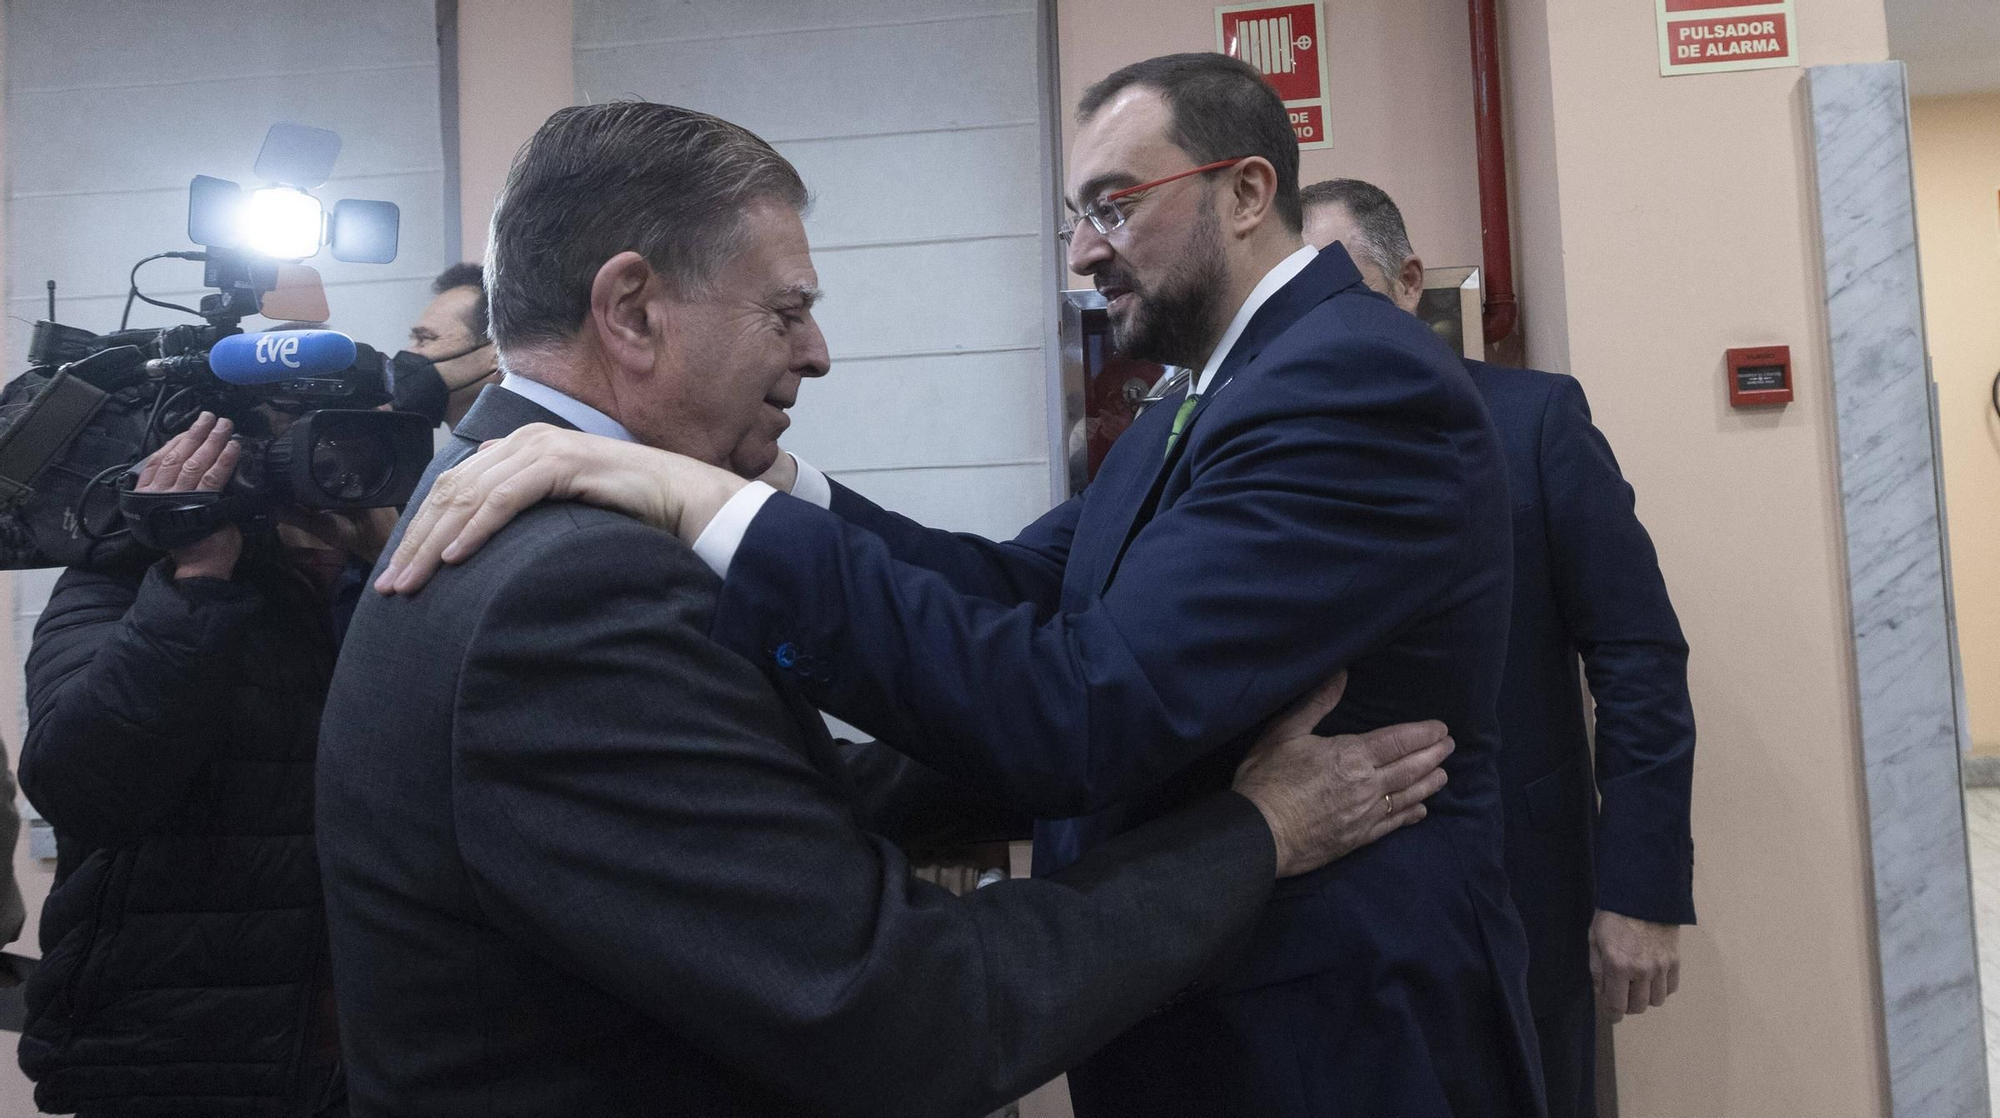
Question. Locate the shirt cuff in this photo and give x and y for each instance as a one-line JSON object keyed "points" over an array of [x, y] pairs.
{"points": [[811, 485], [718, 542]]}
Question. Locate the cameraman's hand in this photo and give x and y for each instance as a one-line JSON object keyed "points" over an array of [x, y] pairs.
{"points": [[1327, 797], [360, 534], [199, 458]]}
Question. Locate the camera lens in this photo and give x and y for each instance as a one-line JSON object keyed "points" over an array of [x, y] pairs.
{"points": [[350, 467]]}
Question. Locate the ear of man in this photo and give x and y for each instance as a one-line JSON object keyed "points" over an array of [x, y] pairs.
{"points": [[1410, 283], [625, 307], [1253, 195]]}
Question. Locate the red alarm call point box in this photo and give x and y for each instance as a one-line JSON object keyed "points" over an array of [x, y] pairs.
{"points": [[1760, 376]]}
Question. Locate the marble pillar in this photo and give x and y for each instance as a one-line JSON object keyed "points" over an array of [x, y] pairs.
{"points": [[1896, 582]]}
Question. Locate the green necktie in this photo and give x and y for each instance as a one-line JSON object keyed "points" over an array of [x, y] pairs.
{"points": [[1181, 416]]}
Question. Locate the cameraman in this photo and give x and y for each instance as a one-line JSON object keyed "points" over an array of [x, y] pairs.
{"points": [[174, 713]]}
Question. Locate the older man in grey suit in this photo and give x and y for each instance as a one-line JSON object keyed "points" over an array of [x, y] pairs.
{"points": [[581, 859]]}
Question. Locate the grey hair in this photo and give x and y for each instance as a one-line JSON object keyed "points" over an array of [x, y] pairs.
{"points": [[1383, 238], [668, 183]]}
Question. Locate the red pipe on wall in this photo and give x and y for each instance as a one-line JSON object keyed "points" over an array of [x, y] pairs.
{"points": [[1495, 222]]}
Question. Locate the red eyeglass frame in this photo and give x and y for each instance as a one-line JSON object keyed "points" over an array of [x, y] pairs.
{"points": [[1068, 228], [1215, 166]]}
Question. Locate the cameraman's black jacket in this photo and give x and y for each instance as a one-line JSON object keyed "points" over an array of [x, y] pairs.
{"points": [[172, 733]]}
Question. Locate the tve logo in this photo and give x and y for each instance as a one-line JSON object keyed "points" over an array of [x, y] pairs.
{"points": [[1283, 42], [281, 348]]}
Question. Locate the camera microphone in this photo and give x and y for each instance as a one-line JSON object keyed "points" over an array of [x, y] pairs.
{"points": [[248, 360]]}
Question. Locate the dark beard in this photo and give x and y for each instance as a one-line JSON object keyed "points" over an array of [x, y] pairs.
{"points": [[1180, 321]]}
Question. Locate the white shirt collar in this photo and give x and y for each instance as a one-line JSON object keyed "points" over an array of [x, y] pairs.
{"points": [[1280, 274], [579, 414]]}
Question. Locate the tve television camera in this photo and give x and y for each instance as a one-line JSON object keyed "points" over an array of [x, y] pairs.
{"points": [[75, 426]]}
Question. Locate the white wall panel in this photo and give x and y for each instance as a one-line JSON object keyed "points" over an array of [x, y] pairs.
{"points": [[32, 588], [993, 501], [600, 24], [134, 137], [387, 302], [859, 418], [955, 183], [113, 105], [921, 128], [923, 298], [131, 43], [87, 243], [833, 80]]}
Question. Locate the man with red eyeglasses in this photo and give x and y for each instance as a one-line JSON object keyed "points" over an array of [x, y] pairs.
{"points": [[1327, 494]]}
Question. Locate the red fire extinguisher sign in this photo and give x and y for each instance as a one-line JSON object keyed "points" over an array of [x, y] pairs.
{"points": [[1284, 43]]}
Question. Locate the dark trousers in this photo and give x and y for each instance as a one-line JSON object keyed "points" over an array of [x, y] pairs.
{"points": [[1294, 1049], [1569, 1057]]}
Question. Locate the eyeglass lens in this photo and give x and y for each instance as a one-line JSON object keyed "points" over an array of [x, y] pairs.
{"points": [[1104, 216]]}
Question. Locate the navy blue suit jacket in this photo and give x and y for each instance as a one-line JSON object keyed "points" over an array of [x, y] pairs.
{"points": [[1338, 502], [1586, 581]]}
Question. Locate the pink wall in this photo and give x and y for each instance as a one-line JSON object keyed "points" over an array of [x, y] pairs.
{"points": [[514, 70], [1400, 74], [1659, 222], [1533, 184], [1957, 142], [1665, 220]]}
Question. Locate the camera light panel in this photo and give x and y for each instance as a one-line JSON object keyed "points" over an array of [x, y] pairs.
{"points": [[215, 209], [363, 231], [281, 222]]}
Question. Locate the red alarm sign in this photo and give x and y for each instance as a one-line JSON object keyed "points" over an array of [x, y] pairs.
{"points": [[1714, 36], [1283, 41]]}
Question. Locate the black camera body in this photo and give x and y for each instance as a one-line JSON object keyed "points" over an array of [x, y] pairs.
{"points": [[82, 419], [328, 459], [78, 424]]}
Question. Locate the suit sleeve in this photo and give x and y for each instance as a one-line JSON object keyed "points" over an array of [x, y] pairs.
{"points": [[1614, 603], [124, 682], [916, 807], [634, 801], [1027, 569], [1319, 524]]}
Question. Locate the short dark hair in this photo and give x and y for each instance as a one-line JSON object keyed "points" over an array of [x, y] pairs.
{"points": [[1384, 239], [467, 275], [1222, 108], [668, 183]]}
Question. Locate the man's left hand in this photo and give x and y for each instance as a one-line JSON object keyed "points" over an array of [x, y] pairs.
{"points": [[476, 498], [360, 534], [960, 869], [1634, 963]]}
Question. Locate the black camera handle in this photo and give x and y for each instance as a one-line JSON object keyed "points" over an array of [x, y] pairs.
{"points": [[166, 521]]}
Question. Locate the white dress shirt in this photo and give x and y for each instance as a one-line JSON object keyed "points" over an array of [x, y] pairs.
{"points": [[1282, 273], [578, 414], [810, 486], [718, 542]]}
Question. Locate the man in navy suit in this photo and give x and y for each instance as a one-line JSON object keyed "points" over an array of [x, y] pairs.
{"points": [[1586, 583], [1329, 495]]}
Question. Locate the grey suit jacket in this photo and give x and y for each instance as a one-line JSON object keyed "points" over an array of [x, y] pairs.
{"points": [[581, 859]]}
